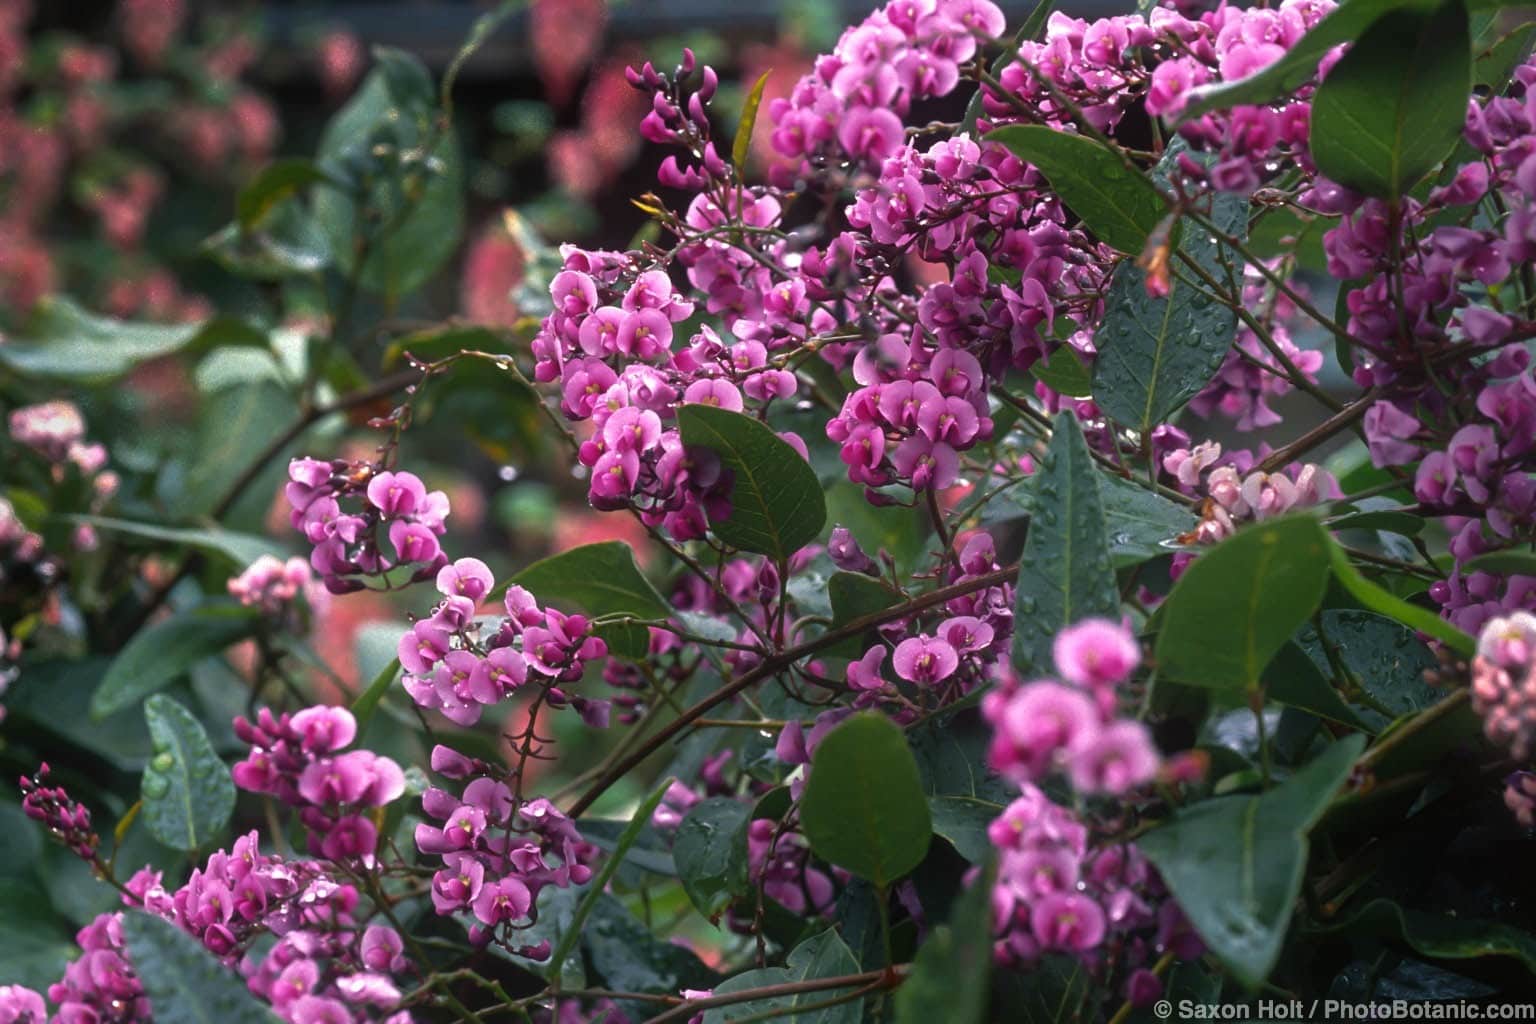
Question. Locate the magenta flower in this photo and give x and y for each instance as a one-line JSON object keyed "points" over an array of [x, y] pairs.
{"points": [[1117, 758], [864, 674], [467, 577], [714, 391], [397, 494], [1037, 724], [925, 660], [1067, 921], [1096, 653]]}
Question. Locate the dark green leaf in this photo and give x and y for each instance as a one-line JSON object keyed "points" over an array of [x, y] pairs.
{"points": [[1438, 937], [853, 596], [649, 852], [963, 821], [1498, 48], [64, 341], [187, 792], [240, 548], [824, 955], [1295, 680], [952, 761], [1054, 991], [1386, 660], [629, 958], [949, 979], [367, 702], [236, 422], [1235, 607], [863, 807], [1235, 863], [182, 981], [642, 817], [413, 203], [1393, 107], [276, 182], [777, 506], [1119, 206], [160, 652], [1065, 373], [1514, 562], [1387, 520], [1156, 353], [1141, 524], [711, 852], [35, 943], [1065, 574]]}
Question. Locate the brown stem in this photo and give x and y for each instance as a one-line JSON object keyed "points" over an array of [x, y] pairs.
{"points": [[888, 978], [1340, 420], [775, 663]]}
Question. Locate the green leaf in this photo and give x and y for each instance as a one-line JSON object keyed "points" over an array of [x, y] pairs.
{"points": [[1295, 680], [182, 980], [863, 807], [35, 942], [164, 650], [628, 957], [1387, 520], [1393, 107], [1140, 523], [61, 340], [240, 548], [1386, 659], [412, 212], [367, 702], [711, 852], [1065, 373], [1514, 562], [949, 979], [824, 955], [1498, 48], [1158, 352], [777, 506], [1380, 600], [234, 423], [599, 579], [1119, 206], [1235, 863], [1065, 574], [1238, 603], [277, 181], [743, 143], [187, 792], [642, 817], [1436, 936], [853, 596], [962, 821], [1296, 67]]}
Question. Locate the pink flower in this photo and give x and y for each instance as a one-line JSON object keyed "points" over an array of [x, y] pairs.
{"points": [[925, 660], [1117, 758], [1096, 653], [1068, 922]]}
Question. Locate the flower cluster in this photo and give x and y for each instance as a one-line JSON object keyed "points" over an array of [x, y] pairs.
{"points": [[1235, 492], [272, 584], [1044, 726], [459, 664], [1503, 683], [347, 544], [297, 759], [68, 820], [1059, 892], [498, 851], [850, 108]]}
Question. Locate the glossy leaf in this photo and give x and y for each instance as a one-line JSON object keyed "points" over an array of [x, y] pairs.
{"points": [[710, 852], [183, 982], [1394, 106], [824, 955], [1437, 936], [594, 890], [1235, 863], [1065, 373], [1065, 574], [1157, 352], [962, 821], [1140, 523], [187, 791], [1121, 207], [1239, 602], [949, 979], [413, 207], [164, 650], [777, 506], [629, 958], [1386, 660], [863, 807], [599, 579], [1295, 680]]}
